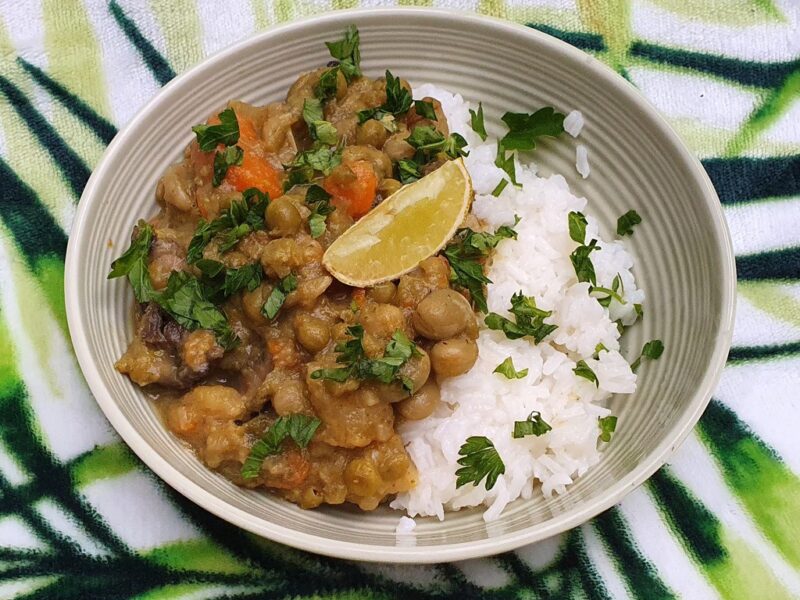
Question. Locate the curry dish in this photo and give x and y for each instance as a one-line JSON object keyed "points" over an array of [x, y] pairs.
{"points": [[277, 375]]}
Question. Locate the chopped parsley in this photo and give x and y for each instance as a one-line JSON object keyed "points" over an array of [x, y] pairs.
{"points": [[639, 310], [499, 188], [600, 348], [305, 165], [523, 129], [398, 101], [476, 122], [230, 157], [614, 293], [300, 428], [652, 350], [241, 218], [626, 223], [278, 296], [577, 226], [607, 426], [583, 370], [584, 269], [356, 365], [408, 171], [479, 460], [320, 130], [425, 109], [133, 263], [347, 52], [226, 132], [506, 368], [319, 202], [219, 283], [465, 255], [428, 141], [529, 320], [184, 300], [533, 425]]}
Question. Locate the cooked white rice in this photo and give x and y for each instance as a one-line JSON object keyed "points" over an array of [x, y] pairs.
{"points": [[481, 403], [582, 161], [573, 123]]}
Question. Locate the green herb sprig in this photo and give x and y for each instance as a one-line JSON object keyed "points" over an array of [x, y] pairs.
{"points": [[529, 320], [298, 427], [533, 425], [479, 460]]}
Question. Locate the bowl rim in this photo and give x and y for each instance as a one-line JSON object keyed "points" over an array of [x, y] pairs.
{"points": [[408, 554]]}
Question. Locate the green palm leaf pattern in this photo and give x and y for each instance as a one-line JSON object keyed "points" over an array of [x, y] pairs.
{"points": [[719, 522]]}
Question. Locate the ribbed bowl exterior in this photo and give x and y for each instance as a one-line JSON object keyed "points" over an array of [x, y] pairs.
{"points": [[683, 260]]}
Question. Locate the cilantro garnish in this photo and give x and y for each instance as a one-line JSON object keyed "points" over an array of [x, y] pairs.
{"points": [[626, 223], [652, 350], [607, 426], [133, 263], [225, 132], [523, 129], [583, 370], [241, 218], [319, 201], [465, 254], [300, 428], [476, 122], [356, 365], [529, 320], [506, 368], [533, 425], [230, 157], [479, 459], [278, 296]]}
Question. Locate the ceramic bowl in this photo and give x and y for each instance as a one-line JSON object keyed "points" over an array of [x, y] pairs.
{"points": [[683, 256]]}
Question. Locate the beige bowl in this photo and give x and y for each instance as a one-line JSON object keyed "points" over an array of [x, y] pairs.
{"points": [[684, 260]]}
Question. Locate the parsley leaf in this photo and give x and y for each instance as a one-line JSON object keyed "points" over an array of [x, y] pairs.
{"points": [[507, 369], [506, 163], [321, 158], [639, 310], [476, 122], [398, 101], [627, 221], [327, 84], [533, 425], [219, 283], [319, 201], [133, 263], [357, 366], [583, 370], [425, 109], [278, 296], [652, 350], [184, 301], [298, 427], [226, 132], [230, 157], [499, 188], [247, 277], [408, 171], [577, 227], [523, 129], [465, 254], [479, 459], [320, 130], [238, 220], [528, 320], [607, 426], [347, 52], [428, 141], [584, 269]]}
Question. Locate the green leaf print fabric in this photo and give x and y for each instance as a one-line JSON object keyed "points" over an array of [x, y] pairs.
{"points": [[82, 518]]}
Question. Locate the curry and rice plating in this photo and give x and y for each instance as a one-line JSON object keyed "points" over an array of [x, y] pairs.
{"points": [[286, 367]]}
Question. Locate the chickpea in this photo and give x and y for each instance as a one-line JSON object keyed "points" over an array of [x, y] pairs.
{"points": [[289, 398], [252, 302], [396, 147], [417, 369], [371, 133], [283, 219], [454, 356], [442, 314], [312, 333], [277, 258], [389, 186], [382, 320], [421, 404], [361, 477], [382, 292], [380, 162]]}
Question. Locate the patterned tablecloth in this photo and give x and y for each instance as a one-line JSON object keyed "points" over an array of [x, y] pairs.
{"points": [[81, 517]]}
